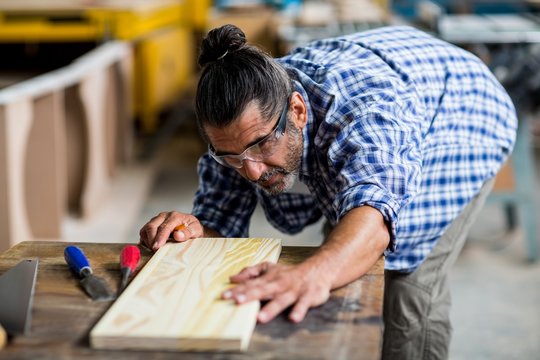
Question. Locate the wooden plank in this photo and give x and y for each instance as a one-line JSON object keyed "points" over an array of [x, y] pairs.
{"points": [[174, 303]]}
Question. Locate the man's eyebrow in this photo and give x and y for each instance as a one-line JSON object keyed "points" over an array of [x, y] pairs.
{"points": [[257, 140], [221, 153], [262, 137]]}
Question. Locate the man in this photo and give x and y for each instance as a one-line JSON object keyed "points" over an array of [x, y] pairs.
{"points": [[397, 136]]}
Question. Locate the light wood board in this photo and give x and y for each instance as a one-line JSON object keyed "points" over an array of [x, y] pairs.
{"points": [[3, 337], [174, 302]]}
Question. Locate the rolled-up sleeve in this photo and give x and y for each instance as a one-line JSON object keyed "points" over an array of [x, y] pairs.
{"points": [[377, 159]]}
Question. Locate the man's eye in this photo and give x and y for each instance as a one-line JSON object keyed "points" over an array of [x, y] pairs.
{"points": [[268, 143]]}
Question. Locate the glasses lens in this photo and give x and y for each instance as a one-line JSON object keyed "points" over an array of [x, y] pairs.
{"points": [[231, 162], [267, 147]]}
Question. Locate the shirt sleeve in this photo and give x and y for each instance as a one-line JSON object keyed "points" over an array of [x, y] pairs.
{"points": [[376, 156], [224, 200]]}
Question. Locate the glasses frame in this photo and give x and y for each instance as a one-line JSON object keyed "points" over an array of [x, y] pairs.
{"points": [[278, 131]]}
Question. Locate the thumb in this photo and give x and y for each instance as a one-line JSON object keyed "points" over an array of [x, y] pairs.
{"points": [[184, 232]]}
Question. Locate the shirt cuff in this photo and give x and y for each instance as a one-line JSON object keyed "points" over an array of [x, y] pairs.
{"points": [[375, 197]]}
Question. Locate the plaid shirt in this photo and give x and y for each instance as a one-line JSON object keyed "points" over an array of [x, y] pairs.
{"points": [[397, 120]]}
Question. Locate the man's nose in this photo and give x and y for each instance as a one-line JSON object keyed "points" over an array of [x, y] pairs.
{"points": [[253, 170]]}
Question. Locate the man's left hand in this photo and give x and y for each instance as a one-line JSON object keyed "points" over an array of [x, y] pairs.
{"points": [[283, 285]]}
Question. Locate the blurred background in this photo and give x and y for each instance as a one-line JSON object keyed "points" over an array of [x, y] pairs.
{"points": [[97, 129]]}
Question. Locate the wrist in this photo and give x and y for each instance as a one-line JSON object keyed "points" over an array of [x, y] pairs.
{"points": [[320, 268]]}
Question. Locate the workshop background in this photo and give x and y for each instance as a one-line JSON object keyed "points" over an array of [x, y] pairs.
{"points": [[97, 130]]}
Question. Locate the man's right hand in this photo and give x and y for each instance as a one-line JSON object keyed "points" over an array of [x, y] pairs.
{"points": [[155, 233]]}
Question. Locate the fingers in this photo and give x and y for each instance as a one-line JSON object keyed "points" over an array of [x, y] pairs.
{"points": [[283, 285], [164, 230], [148, 231], [158, 230], [303, 301], [256, 283], [276, 306], [250, 272], [300, 309], [187, 230], [258, 289], [265, 281]]}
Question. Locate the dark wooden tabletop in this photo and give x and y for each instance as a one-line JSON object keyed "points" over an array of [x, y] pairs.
{"points": [[348, 326]]}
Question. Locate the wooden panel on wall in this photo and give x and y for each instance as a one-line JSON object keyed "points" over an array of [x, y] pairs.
{"points": [[77, 143], [174, 302], [111, 112], [15, 124], [67, 116], [125, 145], [92, 92], [45, 168]]}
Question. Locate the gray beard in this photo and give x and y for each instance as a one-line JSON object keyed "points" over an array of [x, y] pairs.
{"points": [[295, 147], [284, 185]]}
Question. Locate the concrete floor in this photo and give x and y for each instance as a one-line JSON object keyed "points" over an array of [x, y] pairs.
{"points": [[496, 292]]}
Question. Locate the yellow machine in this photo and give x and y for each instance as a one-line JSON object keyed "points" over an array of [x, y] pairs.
{"points": [[161, 32]]}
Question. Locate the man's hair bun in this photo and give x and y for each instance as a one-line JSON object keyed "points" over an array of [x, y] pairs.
{"points": [[235, 73], [221, 42]]}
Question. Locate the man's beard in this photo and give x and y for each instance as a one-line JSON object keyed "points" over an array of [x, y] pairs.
{"points": [[282, 185], [290, 171]]}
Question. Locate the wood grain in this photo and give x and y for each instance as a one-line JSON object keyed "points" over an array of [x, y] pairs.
{"points": [[174, 303], [3, 337]]}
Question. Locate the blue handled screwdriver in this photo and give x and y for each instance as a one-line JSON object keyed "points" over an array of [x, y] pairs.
{"points": [[94, 286]]}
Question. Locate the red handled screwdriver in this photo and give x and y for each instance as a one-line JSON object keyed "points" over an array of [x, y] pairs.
{"points": [[129, 259]]}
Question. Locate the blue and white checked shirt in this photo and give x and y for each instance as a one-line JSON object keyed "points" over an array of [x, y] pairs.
{"points": [[398, 120]]}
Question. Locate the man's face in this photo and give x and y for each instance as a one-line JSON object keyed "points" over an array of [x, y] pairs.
{"points": [[277, 172]]}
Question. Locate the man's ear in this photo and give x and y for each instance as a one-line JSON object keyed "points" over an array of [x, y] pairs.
{"points": [[298, 107]]}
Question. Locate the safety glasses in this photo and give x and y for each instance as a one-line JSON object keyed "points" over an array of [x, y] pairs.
{"points": [[259, 151]]}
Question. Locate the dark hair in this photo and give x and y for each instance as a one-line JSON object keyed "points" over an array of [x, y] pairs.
{"points": [[235, 74]]}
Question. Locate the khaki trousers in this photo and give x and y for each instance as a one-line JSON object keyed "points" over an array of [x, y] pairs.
{"points": [[416, 308]]}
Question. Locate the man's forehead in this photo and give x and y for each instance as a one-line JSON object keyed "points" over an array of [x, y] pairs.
{"points": [[249, 126], [250, 117]]}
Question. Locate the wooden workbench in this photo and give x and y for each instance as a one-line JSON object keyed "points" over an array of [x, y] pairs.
{"points": [[348, 326]]}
